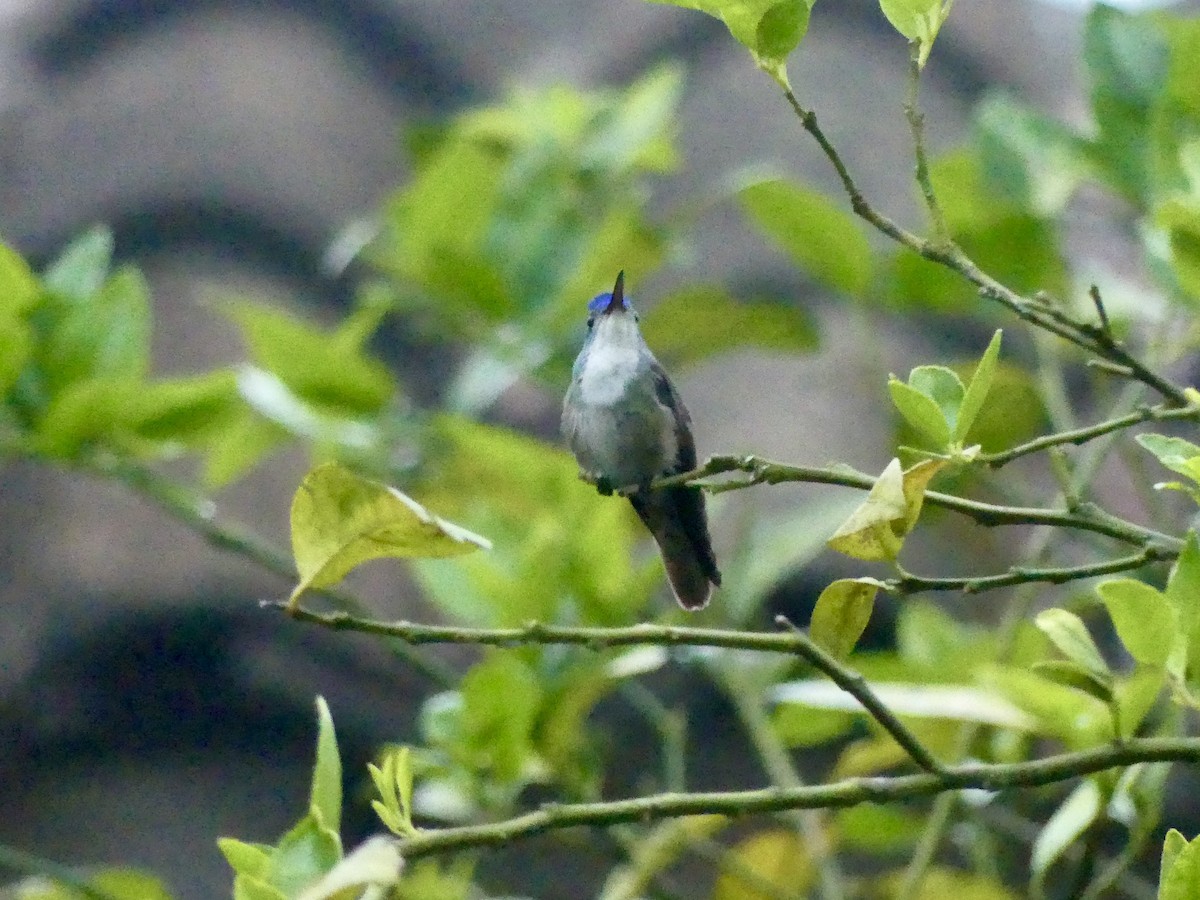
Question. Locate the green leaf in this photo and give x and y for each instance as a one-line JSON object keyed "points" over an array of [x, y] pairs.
{"points": [[1183, 593], [1179, 878], [977, 390], [16, 347], [875, 530], [331, 374], [769, 29], [1179, 219], [920, 411], [19, 288], [778, 857], [942, 386], [186, 409], [798, 725], [1068, 633], [326, 795], [303, 856], [698, 322], [1075, 816], [105, 333], [501, 699], [82, 267], [951, 702], [1146, 623], [820, 237], [245, 859], [130, 884], [87, 412], [877, 829], [1072, 674], [1075, 717], [1127, 59], [238, 445], [1175, 453], [841, 614], [1029, 157], [376, 862], [340, 521], [918, 20]]}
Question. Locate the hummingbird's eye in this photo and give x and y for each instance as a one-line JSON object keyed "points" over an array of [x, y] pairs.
{"points": [[636, 317], [591, 322]]}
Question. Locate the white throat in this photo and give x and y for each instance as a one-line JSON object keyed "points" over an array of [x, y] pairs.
{"points": [[613, 360]]}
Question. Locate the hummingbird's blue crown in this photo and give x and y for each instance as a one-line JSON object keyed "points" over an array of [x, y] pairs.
{"points": [[600, 302]]}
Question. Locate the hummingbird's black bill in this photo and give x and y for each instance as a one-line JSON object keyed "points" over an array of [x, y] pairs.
{"points": [[617, 303]]}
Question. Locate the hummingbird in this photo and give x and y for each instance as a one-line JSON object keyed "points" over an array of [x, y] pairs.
{"points": [[626, 424]]}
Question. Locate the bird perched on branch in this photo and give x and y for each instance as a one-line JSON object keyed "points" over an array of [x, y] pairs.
{"points": [[626, 425]]}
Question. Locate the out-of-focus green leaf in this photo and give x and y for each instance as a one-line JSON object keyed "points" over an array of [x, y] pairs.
{"points": [[316, 367], [82, 267], [1127, 60], [326, 794], [1076, 718], [1068, 633], [778, 857], [244, 858], [877, 829], [1029, 157], [239, 445], [376, 862], [1013, 413], [798, 725], [340, 521], [957, 703], [185, 409], [1080, 677], [698, 322], [102, 334], [1145, 622], [93, 411], [501, 699], [841, 614], [1179, 218], [16, 348], [819, 236], [19, 288], [1072, 818]]}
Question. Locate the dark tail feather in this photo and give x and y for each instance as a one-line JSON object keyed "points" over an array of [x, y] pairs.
{"points": [[679, 524]]}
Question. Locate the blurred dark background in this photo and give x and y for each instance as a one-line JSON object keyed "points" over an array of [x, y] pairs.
{"points": [[146, 704]]}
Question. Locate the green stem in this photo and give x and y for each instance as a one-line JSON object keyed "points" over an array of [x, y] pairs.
{"points": [[836, 795]]}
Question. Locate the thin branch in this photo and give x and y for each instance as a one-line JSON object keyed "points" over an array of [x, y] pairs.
{"points": [[975, 584], [1083, 435], [1091, 338], [1088, 517], [199, 514], [916, 124], [839, 794], [856, 686]]}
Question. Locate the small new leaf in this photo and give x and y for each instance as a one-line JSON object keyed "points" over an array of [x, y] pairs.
{"points": [[921, 411], [326, 795], [977, 391], [394, 784], [340, 520], [1175, 453]]}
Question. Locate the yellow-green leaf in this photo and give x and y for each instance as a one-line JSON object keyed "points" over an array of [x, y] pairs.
{"points": [[874, 531], [842, 612], [340, 520]]}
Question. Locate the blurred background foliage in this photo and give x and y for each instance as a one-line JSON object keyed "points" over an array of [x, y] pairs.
{"points": [[514, 215]]}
